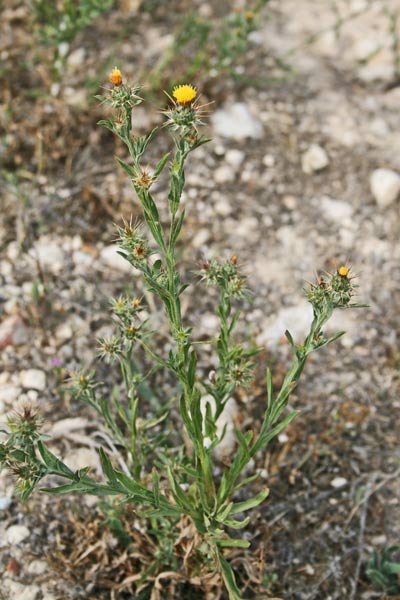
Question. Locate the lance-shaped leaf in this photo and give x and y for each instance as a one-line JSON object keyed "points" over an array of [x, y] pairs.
{"points": [[239, 507]]}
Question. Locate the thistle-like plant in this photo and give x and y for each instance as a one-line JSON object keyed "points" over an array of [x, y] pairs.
{"points": [[168, 472]]}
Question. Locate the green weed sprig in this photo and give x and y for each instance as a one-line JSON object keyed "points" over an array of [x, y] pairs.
{"points": [[165, 476]]}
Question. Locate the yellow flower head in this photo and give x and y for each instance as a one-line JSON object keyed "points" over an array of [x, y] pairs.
{"points": [[184, 94], [116, 76], [343, 271]]}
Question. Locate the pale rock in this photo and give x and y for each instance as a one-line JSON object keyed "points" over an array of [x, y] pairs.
{"points": [[33, 379], [336, 210], [296, 319], [76, 57], [201, 238], [377, 70], [5, 503], [81, 458], [63, 332], [21, 333], [338, 482], [63, 48], [75, 97], [109, 257], [224, 174], [13, 332], [15, 534], [209, 323], [13, 251], [74, 327], [64, 426], [385, 186], [223, 207], [219, 150], [17, 591], [234, 157], [235, 121], [379, 128], [38, 567], [268, 160], [9, 393], [314, 159], [49, 253], [246, 227], [82, 259]]}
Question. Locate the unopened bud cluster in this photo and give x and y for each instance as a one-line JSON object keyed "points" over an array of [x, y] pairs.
{"points": [[336, 289], [225, 275], [18, 455]]}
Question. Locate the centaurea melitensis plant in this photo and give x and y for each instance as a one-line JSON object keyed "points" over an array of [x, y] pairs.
{"points": [[162, 483]]}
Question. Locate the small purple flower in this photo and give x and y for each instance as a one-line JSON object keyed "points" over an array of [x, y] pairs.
{"points": [[56, 362]]}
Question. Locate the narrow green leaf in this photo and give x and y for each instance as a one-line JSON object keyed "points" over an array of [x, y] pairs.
{"points": [[269, 388], [239, 507], [290, 339], [127, 168], [231, 543], [53, 463], [192, 369], [107, 467], [229, 579], [234, 524], [161, 164]]}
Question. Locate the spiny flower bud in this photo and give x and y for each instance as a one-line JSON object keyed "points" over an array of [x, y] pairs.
{"points": [[116, 76], [343, 271]]}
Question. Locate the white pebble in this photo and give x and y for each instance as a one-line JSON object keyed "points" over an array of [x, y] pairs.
{"points": [[338, 482], [385, 186], [112, 259], [234, 157], [5, 503], [33, 379], [16, 534], [237, 122], [314, 159]]}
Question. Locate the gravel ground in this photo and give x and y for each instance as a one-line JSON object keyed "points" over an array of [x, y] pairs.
{"points": [[302, 174]]}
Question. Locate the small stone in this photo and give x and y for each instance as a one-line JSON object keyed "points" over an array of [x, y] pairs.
{"points": [[385, 186], [237, 122], [234, 157], [314, 159], [13, 332], [112, 259], [336, 210], [5, 503], [49, 253], [16, 534], [296, 319], [81, 458], [63, 332], [268, 160], [33, 379], [223, 207], [76, 57], [224, 174], [38, 567], [338, 482], [17, 591], [9, 393], [201, 237]]}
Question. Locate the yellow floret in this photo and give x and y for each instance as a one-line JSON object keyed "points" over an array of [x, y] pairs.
{"points": [[184, 94], [343, 271], [116, 76]]}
